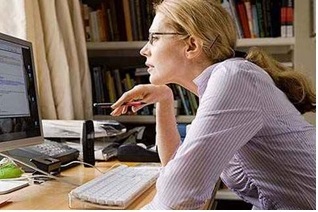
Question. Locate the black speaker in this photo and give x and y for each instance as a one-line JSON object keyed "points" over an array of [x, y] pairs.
{"points": [[88, 137]]}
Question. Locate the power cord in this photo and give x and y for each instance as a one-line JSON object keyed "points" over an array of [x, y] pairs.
{"points": [[80, 162], [48, 175]]}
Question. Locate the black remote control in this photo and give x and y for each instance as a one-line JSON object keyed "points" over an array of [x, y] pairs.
{"points": [[88, 143]]}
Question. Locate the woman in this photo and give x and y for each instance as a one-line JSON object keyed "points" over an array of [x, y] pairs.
{"points": [[248, 129]]}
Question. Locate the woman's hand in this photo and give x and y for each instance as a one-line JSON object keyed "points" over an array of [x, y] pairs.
{"points": [[147, 94]]}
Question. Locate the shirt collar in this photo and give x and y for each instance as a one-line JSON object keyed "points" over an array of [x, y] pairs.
{"points": [[203, 78], [201, 81]]}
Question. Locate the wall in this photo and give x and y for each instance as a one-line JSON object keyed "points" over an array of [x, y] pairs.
{"points": [[305, 46]]}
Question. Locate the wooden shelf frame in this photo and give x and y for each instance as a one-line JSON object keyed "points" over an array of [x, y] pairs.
{"points": [[141, 119], [131, 49], [135, 45]]}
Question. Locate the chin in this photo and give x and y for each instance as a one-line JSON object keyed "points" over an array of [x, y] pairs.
{"points": [[155, 81]]}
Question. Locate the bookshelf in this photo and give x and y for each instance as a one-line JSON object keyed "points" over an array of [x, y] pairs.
{"points": [[118, 54]]}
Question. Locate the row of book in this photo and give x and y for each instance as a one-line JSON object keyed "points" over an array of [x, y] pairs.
{"points": [[117, 20], [109, 85], [129, 20], [262, 18]]}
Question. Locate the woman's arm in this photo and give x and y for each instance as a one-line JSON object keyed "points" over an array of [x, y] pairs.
{"points": [[167, 136]]}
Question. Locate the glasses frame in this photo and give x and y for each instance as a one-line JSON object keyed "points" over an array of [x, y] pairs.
{"points": [[151, 34]]}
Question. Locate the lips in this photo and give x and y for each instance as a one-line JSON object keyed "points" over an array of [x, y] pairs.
{"points": [[149, 67]]}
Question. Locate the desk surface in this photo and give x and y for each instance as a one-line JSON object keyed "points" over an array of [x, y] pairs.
{"points": [[54, 194]]}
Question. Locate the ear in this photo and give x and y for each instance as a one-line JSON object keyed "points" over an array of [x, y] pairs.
{"points": [[193, 48]]}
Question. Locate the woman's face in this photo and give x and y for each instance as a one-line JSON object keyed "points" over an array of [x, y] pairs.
{"points": [[165, 53]]}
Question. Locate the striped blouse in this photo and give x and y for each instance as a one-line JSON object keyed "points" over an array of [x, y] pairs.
{"points": [[247, 132]]}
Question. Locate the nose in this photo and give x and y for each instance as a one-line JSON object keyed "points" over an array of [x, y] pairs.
{"points": [[145, 50]]}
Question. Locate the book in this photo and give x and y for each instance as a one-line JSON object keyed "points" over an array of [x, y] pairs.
{"points": [[275, 18], [248, 9], [93, 24], [255, 19], [183, 100], [138, 19], [287, 18], [268, 14], [110, 86], [128, 24], [86, 11], [133, 19], [265, 18], [229, 6], [236, 19], [98, 87], [119, 88], [102, 26], [243, 18], [260, 18], [121, 20], [192, 102]]}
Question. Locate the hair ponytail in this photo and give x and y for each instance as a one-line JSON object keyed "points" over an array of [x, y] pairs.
{"points": [[294, 84]]}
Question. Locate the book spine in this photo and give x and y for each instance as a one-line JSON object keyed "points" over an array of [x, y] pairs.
{"points": [[260, 18], [290, 19], [86, 12], [268, 18], [127, 20], [275, 17], [138, 19], [133, 19], [229, 6], [102, 25], [248, 9], [243, 18], [117, 80], [264, 11], [114, 20], [183, 100], [121, 22], [236, 19], [255, 20], [110, 86], [93, 26]]}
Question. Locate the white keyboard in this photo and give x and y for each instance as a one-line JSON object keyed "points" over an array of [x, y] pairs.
{"points": [[117, 188]]}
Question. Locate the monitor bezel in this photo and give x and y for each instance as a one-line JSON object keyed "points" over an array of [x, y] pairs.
{"points": [[18, 143]]}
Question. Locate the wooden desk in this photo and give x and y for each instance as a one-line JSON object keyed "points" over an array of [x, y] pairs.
{"points": [[54, 194]]}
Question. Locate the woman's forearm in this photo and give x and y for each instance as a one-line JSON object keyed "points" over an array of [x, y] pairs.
{"points": [[167, 136]]}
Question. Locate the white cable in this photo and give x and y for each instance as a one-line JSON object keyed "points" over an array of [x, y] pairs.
{"points": [[84, 163], [48, 175]]}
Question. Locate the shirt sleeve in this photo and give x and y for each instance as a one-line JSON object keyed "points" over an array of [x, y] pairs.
{"points": [[229, 115]]}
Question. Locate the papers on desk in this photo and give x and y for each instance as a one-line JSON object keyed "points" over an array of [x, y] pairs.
{"points": [[73, 128]]}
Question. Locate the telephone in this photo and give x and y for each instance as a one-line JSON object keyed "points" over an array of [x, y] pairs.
{"points": [[129, 147]]}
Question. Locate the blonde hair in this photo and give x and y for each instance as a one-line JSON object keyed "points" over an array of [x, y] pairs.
{"points": [[209, 22]]}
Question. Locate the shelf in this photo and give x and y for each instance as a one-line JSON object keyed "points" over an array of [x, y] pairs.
{"points": [[115, 45], [131, 49], [247, 42], [226, 194], [141, 119]]}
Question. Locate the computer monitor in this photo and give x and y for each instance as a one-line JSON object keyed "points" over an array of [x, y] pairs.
{"points": [[20, 123]]}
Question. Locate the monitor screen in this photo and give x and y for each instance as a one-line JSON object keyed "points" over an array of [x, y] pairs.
{"points": [[19, 110]]}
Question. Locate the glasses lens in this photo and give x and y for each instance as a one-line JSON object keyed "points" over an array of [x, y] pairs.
{"points": [[150, 38]]}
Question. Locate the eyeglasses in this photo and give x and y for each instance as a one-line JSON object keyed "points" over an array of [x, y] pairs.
{"points": [[151, 35]]}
